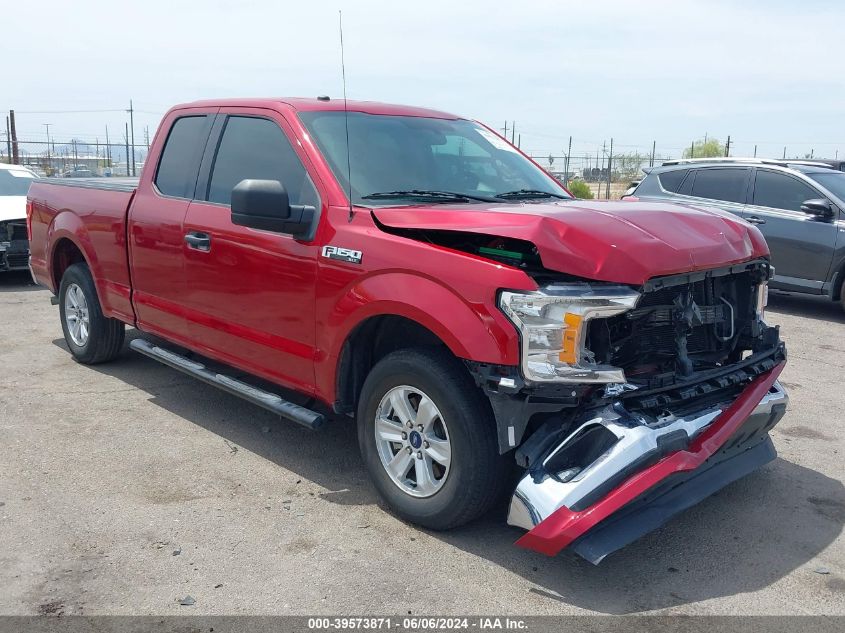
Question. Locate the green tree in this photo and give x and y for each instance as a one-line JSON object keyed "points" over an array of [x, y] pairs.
{"points": [[628, 165], [580, 189], [709, 148]]}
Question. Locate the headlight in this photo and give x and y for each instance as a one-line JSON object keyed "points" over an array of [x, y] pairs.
{"points": [[762, 299], [553, 326]]}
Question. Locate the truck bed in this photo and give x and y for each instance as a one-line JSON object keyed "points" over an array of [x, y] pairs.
{"points": [[75, 216], [126, 184]]}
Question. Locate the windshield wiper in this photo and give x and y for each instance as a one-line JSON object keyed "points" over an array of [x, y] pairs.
{"points": [[427, 195], [527, 194]]}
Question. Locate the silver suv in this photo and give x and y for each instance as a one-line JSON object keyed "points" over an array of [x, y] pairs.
{"points": [[798, 206]]}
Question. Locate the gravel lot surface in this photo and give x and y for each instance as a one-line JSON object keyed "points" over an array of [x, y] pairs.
{"points": [[128, 486]]}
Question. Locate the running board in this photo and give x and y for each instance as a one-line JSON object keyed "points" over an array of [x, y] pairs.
{"points": [[270, 401]]}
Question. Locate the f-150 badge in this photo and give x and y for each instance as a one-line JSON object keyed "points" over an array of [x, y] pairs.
{"points": [[342, 254]]}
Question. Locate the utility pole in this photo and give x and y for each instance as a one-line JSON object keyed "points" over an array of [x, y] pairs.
{"points": [[13, 132], [147, 136], [49, 163], [519, 141], [811, 153], [601, 169], [653, 148], [609, 169], [108, 148], [126, 140], [755, 151], [513, 133], [506, 130], [8, 141], [75, 155], [566, 164], [784, 152], [132, 123], [728, 147], [692, 150]]}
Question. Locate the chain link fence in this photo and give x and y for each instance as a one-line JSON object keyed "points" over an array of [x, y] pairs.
{"points": [[607, 176], [77, 158]]}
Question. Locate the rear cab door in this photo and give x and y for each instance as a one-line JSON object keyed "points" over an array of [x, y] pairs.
{"points": [[802, 244], [249, 295], [156, 216]]}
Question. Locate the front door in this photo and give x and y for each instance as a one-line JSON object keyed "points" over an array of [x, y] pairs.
{"points": [[802, 244], [250, 294]]}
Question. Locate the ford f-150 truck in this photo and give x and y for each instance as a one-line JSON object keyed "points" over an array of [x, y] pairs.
{"points": [[413, 270]]}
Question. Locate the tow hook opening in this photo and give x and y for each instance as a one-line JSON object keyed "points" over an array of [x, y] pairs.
{"points": [[582, 449]]}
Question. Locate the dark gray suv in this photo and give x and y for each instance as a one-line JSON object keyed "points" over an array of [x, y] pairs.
{"points": [[798, 208]]}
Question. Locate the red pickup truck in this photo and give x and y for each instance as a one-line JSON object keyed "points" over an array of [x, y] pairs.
{"points": [[414, 271]]}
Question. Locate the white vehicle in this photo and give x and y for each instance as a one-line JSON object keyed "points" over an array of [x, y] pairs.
{"points": [[14, 245]]}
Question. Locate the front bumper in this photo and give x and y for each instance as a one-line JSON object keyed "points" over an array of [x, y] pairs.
{"points": [[614, 465], [14, 255]]}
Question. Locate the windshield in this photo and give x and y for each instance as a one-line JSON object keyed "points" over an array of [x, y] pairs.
{"points": [[15, 182], [419, 155], [833, 181]]}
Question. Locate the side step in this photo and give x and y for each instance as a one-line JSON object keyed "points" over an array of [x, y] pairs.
{"points": [[270, 401]]}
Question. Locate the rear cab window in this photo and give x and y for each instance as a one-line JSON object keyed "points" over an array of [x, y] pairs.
{"points": [[176, 175]]}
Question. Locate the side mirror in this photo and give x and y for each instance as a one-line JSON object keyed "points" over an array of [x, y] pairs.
{"points": [[818, 207], [264, 205]]}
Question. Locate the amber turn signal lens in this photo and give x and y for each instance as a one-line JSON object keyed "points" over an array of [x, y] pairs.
{"points": [[570, 338]]}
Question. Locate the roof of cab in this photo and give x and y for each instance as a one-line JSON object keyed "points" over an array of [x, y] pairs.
{"points": [[310, 105]]}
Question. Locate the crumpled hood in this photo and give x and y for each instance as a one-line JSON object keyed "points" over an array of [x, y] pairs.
{"points": [[623, 242], [12, 208]]}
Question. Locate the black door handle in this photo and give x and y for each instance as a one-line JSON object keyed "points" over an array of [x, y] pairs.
{"points": [[755, 220], [198, 241]]}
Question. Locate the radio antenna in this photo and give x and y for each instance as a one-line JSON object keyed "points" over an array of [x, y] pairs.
{"points": [[345, 114]]}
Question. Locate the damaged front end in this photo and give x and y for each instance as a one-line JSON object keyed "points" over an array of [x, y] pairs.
{"points": [[14, 246], [633, 404]]}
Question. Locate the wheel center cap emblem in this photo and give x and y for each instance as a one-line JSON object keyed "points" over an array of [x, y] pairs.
{"points": [[415, 439]]}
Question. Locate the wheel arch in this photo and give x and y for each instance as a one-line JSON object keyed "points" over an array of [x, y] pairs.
{"points": [[423, 311], [65, 253], [368, 342]]}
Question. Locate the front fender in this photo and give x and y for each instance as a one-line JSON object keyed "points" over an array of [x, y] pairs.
{"points": [[474, 330]]}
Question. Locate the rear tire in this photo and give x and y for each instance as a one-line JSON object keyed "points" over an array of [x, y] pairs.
{"points": [[91, 336], [450, 471]]}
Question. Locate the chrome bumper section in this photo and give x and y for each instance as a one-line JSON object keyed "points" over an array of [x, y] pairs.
{"points": [[606, 448]]}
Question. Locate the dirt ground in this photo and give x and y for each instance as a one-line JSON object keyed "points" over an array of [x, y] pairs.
{"points": [[127, 486]]}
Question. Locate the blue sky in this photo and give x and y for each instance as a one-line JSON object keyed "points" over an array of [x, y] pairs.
{"points": [[766, 72]]}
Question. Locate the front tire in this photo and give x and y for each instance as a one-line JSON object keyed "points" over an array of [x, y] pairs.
{"points": [[842, 294], [428, 439], [90, 335]]}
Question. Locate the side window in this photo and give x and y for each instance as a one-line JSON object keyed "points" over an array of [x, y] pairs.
{"points": [[177, 169], [721, 184], [780, 191], [257, 148], [671, 180]]}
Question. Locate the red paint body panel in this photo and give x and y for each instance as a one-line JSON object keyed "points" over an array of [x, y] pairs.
{"points": [[94, 220], [271, 305], [564, 526], [623, 242]]}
